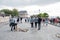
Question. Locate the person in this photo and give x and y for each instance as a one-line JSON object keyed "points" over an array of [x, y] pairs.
{"points": [[31, 21], [15, 24], [39, 22], [11, 20], [46, 21], [21, 20], [25, 20], [36, 21], [28, 19], [43, 20], [18, 19]]}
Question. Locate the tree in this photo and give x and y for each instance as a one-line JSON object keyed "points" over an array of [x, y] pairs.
{"points": [[6, 11], [45, 15], [15, 12], [40, 15]]}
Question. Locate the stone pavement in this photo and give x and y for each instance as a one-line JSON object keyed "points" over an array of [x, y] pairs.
{"points": [[46, 32]]}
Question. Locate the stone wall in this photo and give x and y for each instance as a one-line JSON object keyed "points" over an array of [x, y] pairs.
{"points": [[4, 19]]}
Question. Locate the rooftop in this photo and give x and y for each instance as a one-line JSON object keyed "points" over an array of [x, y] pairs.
{"points": [[23, 12]]}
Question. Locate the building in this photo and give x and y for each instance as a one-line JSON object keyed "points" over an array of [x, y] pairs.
{"points": [[23, 14]]}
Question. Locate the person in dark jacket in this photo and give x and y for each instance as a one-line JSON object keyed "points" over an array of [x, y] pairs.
{"points": [[21, 20], [18, 19], [39, 22], [36, 21]]}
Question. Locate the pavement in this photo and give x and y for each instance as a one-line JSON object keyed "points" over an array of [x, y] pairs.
{"points": [[45, 33]]}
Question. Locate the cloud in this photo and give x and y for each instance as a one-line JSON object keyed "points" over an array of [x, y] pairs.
{"points": [[52, 9], [26, 2], [33, 6]]}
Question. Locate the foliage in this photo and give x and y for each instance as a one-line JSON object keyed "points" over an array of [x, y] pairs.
{"points": [[13, 12], [43, 15], [40, 15], [6, 11]]}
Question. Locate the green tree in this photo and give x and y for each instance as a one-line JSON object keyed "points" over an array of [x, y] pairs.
{"points": [[15, 12], [45, 15], [40, 15], [6, 11]]}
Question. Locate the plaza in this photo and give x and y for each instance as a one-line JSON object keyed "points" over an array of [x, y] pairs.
{"points": [[45, 33]]}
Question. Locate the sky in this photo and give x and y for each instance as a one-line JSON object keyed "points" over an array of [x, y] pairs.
{"points": [[52, 7]]}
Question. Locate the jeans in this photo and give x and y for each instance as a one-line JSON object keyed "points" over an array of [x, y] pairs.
{"points": [[35, 24], [31, 25], [12, 28], [39, 25]]}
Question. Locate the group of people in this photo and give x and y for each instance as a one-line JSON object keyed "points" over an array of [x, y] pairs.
{"points": [[33, 21], [37, 22]]}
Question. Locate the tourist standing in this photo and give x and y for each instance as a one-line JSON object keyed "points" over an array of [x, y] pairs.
{"points": [[21, 20], [31, 21], [43, 20], [46, 21], [39, 23], [36, 21], [18, 19]]}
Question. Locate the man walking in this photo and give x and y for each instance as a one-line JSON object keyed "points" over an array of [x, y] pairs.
{"points": [[39, 22]]}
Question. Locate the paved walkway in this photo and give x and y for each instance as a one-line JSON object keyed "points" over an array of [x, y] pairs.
{"points": [[46, 32]]}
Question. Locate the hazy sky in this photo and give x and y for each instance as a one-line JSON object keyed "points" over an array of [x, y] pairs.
{"points": [[52, 7], [26, 2]]}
